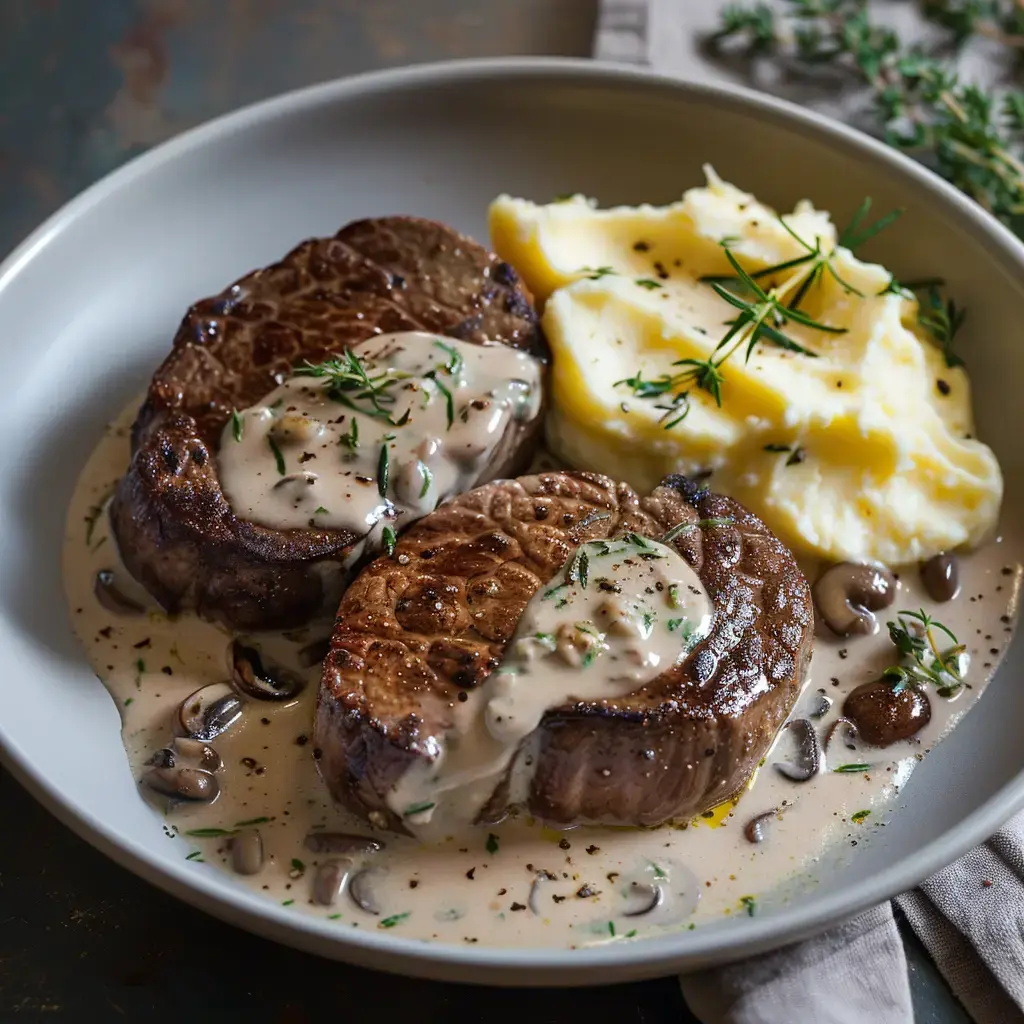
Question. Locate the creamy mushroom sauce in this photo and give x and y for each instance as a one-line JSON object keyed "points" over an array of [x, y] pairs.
{"points": [[435, 414], [621, 613], [518, 883]]}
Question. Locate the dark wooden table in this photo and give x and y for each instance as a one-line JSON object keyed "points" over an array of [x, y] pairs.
{"points": [[84, 85]]}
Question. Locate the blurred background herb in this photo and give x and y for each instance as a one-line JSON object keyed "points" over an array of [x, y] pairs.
{"points": [[970, 135]]}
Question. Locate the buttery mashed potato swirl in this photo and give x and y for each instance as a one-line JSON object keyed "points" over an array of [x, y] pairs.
{"points": [[863, 453]]}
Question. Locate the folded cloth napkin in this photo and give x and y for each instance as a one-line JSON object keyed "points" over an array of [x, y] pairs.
{"points": [[969, 916]]}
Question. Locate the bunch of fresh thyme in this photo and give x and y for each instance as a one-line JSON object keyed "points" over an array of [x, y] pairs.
{"points": [[958, 129]]}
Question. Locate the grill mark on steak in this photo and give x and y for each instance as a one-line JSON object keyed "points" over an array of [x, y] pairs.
{"points": [[176, 532], [681, 744]]}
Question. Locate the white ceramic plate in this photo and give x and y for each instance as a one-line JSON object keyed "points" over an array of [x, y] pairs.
{"points": [[88, 305]]}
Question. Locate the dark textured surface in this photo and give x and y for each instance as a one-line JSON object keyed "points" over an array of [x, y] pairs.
{"points": [[174, 526], [83, 87], [679, 745]]}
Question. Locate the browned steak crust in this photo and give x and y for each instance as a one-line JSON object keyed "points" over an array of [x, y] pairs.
{"points": [[415, 629], [176, 531]]}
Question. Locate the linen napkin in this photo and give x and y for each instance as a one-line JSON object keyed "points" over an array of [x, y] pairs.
{"points": [[970, 916]]}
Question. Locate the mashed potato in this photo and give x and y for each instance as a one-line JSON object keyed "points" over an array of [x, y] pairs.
{"points": [[865, 452]]}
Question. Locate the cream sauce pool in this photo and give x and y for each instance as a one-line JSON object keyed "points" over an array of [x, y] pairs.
{"points": [[518, 883]]}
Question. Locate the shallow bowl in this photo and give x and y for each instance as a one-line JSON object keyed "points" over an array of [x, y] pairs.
{"points": [[89, 302]]}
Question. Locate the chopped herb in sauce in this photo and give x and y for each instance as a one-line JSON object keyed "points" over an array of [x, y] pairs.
{"points": [[428, 479], [333, 917], [579, 568], [455, 362], [389, 540], [850, 768], [648, 283], [419, 808], [658, 871], [320, 511], [287, 903], [449, 400], [630, 933], [210, 833], [252, 821], [593, 273], [196, 855], [390, 922], [237, 424], [492, 843], [348, 383], [383, 470], [611, 928], [673, 596], [351, 439], [859, 816], [750, 904], [278, 457]]}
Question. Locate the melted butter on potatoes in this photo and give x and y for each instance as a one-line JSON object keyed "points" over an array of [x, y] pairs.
{"points": [[865, 452]]}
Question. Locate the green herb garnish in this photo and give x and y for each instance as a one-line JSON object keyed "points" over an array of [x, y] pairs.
{"points": [[349, 383], [195, 855], [414, 809], [351, 439], [128, 700], [611, 929], [658, 871], [237, 424], [455, 361], [846, 769], [428, 479], [211, 833], [859, 816], [492, 843], [579, 568], [593, 273], [320, 511], [298, 865], [333, 917], [915, 635], [389, 540], [278, 457], [252, 821], [648, 283], [383, 470], [942, 319], [287, 903], [449, 400], [749, 904], [674, 596], [390, 922]]}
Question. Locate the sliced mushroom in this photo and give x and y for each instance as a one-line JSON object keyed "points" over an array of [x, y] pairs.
{"points": [[197, 753], [808, 751], [252, 677], [329, 880], [845, 726], [642, 898], [247, 852], [209, 711], [847, 594], [753, 831], [820, 705], [114, 600], [360, 890], [941, 577], [341, 842], [538, 882], [183, 783]]}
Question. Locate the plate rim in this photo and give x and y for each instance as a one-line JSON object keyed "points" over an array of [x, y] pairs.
{"points": [[496, 964]]}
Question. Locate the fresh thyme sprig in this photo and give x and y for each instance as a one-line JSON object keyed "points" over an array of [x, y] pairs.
{"points": [[916, 638], [761, 318], [349, 383], [960, 130]]}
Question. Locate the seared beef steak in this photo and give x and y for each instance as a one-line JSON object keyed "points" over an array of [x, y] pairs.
{"points": [[176, 531], [416, 629]]}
